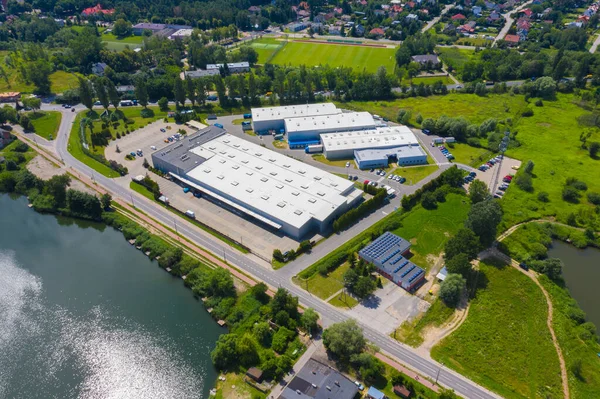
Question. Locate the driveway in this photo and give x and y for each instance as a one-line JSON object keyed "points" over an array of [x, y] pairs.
{"points": [[387, 308]]}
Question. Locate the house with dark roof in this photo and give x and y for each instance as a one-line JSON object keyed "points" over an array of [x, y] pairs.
{"points": [[402, 391], [388, 253], [5, 138], [427, 60], [318, 381], [255, 373], [98, 68]]}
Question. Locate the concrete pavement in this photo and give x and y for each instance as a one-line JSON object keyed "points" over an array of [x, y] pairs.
{"points": [[281, 278]]}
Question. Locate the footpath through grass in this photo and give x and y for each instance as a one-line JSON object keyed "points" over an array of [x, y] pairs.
{"points": [[45, 123], [504, 344], [336, 55]]}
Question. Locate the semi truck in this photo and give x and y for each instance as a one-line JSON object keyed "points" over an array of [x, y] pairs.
{"points": [[313, 148]]}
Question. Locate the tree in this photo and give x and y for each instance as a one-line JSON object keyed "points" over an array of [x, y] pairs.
{"points": [[57, 188], [190, 88], [344, 339], [464, 241], [112, 92], [309, 320], [247, 352], [141, 92], [350, 278], [32, 102], [369, 367], [86, 93], [179, 92], [38, 72], [122, 28], [225, 354], [428, 200], [543, 196], [452, 289], [278, 256], [262, 333], [478, 191], [594, 148], [447, 394], [364, 287], [524, 182], [529, 167], [283, 300], [101, 93], [460, 264], [483, 219], [25, 122], [163, 104], [570, 194], [281, 339], [105, 200]]}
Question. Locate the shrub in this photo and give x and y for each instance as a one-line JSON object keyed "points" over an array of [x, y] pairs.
{"points": [[570, 194], [527, 113], [594, 198], [524, 182], [539, 103], [543, 196]]}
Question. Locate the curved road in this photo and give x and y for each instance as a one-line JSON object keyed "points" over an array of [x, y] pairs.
{"points": [[329, 314]]}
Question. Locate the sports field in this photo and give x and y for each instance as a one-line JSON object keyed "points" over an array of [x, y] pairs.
{"points": [[359, 57], [265, 48]]}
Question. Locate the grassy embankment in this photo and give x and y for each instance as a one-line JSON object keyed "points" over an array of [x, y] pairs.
{"points": [[411, 332], [504, 344], [45, 123], [59, 80], [336, 55], [578, 340], [427, 230]]}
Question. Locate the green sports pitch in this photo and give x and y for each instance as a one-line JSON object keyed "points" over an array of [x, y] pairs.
{"points": [[358, 57]]}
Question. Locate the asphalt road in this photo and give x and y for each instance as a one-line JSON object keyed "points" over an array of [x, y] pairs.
{"points": [[329, 314]]}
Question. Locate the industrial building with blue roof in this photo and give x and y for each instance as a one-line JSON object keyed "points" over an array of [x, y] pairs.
{"points": [[388, 253]]}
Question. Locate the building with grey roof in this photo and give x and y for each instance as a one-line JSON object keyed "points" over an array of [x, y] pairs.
{"points": [[272, 118], [201, 73], [234, 67], [379, 158], [388, 253], [318, 381], [425, 59], [307, 130]]}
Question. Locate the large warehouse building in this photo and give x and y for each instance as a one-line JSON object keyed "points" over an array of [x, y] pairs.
{"points": [[410, 155], [388, 253], [272, 118], [305, 131], [280, 192], [343, 144]]}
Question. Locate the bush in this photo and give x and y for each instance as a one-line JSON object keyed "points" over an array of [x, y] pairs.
{"points": [[524, 182], [539, 103], [452, 289], [543, 196], [527, 113], [570, 194], [594, 198]]}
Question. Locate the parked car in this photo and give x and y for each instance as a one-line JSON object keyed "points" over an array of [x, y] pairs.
{"points": [[186, 190], [372, 170], [402, 180], [197, 194], [523, 266], [218, 125], [426, 131], [355, 178], [347, 164], [132, 154], [500, 193], [163, 130], [166, 140], [153, 147]]}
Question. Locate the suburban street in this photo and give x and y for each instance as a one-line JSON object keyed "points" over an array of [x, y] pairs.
{"points": [[509, 20], [282, 277]]}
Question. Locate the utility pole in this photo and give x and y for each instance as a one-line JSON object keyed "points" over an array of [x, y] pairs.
{"points": [[438, 372], [176, 231], [132, 204]]}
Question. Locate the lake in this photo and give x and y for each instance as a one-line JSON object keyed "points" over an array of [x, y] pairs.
{"points": [[582, 275], [85, 315]]}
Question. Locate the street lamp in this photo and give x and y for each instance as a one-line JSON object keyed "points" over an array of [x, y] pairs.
{"points": [[438, 372]]}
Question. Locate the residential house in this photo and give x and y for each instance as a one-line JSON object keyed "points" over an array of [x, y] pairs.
{"points": [[379, 12], [467, 28], [297, 27], [412, 17], [526, 11], [477, 11], [523, 24], [490, 5], [360, 30], [317, 380], [254, 9], [334, 30], [449, 29], [5, 138], [234, 67], [338, 10], [377, 32], [402, 391], [428, 61], [98, 68], [97, 9], [255, 373], [10, 96], [129, 89], [458, 17], [494, 17], [512, 40]]}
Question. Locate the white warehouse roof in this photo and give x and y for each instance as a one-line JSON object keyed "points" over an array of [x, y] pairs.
{"points": [[381, 137], [282, 187], [293, 111], [342, 122]]}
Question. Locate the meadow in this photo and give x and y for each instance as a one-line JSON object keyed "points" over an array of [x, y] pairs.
{"points": [[429, 80], [504, 344], [415, 174], [456, 58], [359, 57], [45, 123], [468, 155]]}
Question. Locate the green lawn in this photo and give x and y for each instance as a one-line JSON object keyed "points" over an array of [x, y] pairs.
{"points": [[429, 80], [504, 344], [385, 386], [456, 58], [410, 332], [339, 162], [265, 48], [343, 301], [415, 174], [472, 156], [550, 138], [118, 44], [576, 342], [75, 148], [359, 57], [138, 188], [45, 123], [428, 230], [324, 286], [474, 108]]}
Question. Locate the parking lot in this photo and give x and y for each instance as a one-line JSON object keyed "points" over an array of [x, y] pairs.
{"points": [[493, 176], [234, 225]]}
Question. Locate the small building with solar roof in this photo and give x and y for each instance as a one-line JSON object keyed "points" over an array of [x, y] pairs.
{"points": [[389, 255]]}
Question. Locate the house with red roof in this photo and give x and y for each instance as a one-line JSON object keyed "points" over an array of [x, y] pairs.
{"points": [[97, 9], [458, 17], [512, 40], [377, 32], [527, 12]]}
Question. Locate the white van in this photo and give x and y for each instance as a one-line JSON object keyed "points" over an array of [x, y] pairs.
{"points": [[190, 214]]}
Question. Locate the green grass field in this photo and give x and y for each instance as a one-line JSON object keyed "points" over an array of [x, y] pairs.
{"points": [[265, 48], [550, 138], [474, 108], [472, 156], [46, 123], [335, 55], [456, 58], [429, 80], [59, 80], [415, 174], [428, 230], [324, 286], [504, 344], [343, 301]]}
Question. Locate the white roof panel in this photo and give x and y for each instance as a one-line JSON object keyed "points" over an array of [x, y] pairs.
{"points": [[342, 122], [278, 188], [381, 137], [293, 111]]}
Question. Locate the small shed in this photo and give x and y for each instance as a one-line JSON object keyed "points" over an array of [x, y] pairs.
{"points": [[442, 274], [255, 373], [401, 391], [374, 393]]}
